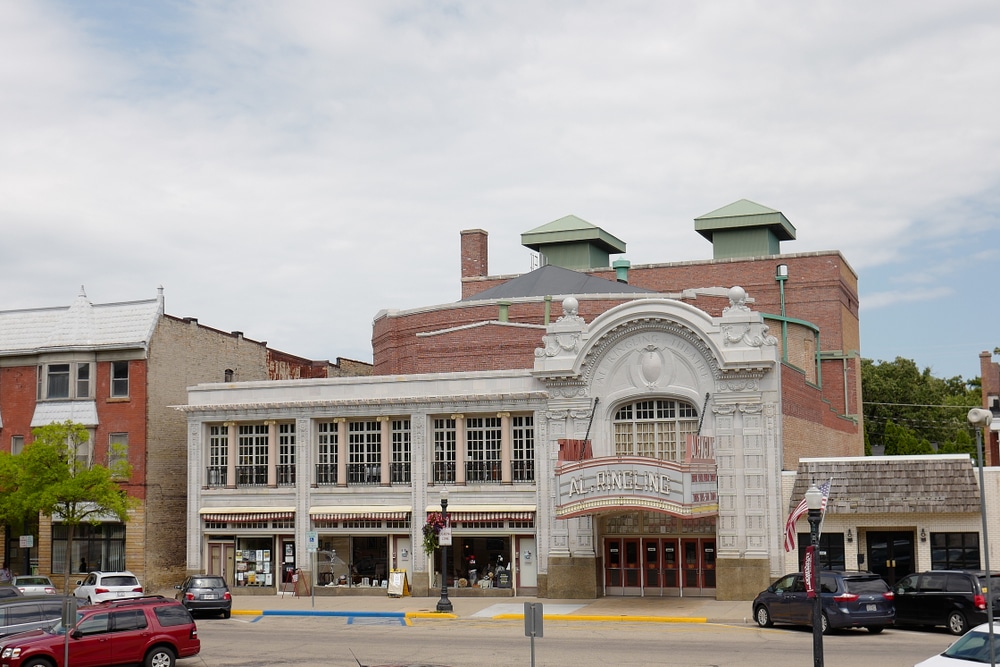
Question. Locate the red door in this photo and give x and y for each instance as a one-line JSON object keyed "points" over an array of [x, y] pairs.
{"points": [[613, 562], [691, 563], [670, 563], [652, 570], [633, 562]]}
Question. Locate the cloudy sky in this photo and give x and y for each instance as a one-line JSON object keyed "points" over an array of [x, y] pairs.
{"points": [[290, 168]]}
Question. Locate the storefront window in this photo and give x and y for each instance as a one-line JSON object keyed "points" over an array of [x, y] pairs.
{"points": [[100, 547], [254, 564], [478, 558]]}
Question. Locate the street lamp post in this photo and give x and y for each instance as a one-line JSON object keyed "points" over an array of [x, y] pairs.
{"points": [[981, 418], [814, 501], [444, 604]]}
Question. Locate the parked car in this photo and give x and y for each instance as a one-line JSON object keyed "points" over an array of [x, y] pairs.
{"points": [[972, 647], [10, 591], [849, 600], [152, 631], [103, 586], [35, 585], [19, 614], [955, 599], [206, 592]]}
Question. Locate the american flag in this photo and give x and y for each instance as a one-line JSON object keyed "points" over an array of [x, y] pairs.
{"points": [[799, 510]]}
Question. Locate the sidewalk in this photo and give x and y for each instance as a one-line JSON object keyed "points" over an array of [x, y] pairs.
{"points": [[632, 609]]}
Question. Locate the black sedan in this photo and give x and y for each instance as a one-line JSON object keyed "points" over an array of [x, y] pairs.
{"points": [[207, 593]]}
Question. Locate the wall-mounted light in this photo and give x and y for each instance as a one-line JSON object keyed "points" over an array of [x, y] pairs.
{"points": [[850, 535], [781, 272], [923, 535]]}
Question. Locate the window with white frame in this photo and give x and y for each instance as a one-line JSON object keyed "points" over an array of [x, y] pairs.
{"points": [[286, 453], [482, 445], [117, 451], [16, 444], [64, 380], [251, 452], [364, 452], [119, 379], [84, 451], [444, 451], [654, 428], [523, 443], [326, 454], [399, 468], [218, 454]]}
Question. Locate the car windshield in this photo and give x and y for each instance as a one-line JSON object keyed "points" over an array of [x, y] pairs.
{"points": [[207, 582], [974, 647], [860, 586], [59, 628], [119, 580]]}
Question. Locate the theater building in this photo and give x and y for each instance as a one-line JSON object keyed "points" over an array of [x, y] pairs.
{"points": [[600, 428]]}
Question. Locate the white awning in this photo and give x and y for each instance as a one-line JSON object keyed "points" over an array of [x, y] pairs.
{"points": [[57, 412], [246, 514], [360, 512], [500, 512]]}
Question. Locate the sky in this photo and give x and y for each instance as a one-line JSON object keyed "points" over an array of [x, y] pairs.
{"points": [[289, 169]]}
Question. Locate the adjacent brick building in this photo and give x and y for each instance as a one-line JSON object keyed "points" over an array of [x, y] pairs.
{"points": [[117, 368]]}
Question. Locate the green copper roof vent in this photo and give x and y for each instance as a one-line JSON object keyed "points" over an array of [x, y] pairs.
{"points": [[573, 243], [744, 229]]}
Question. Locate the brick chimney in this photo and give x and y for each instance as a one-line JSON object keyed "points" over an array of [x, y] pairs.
{"points": [[475, 251]]}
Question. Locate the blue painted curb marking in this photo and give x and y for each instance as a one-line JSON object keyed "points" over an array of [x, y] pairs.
{"points": [[363, 614]]}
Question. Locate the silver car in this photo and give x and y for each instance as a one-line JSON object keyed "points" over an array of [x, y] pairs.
{"points": [[35, 585]]}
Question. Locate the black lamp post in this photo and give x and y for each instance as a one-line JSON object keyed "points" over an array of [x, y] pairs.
{"points": [[444, 604], [980, 419], [814, 501]]}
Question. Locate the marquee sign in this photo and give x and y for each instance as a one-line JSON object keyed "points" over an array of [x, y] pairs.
{"points": [[592, 485]]}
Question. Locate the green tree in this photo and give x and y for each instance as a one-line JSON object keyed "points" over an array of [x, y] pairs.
{"points": [[52, 477], [930, 409]]}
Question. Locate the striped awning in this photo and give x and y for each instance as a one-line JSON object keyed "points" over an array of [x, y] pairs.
{"points": [[361, 513], [487, 512], [247, 514]]}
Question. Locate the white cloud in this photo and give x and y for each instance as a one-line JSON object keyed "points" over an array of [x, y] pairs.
{"points": [[291, 168]]}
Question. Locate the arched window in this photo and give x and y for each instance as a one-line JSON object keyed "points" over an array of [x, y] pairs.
{"points": [[655, 428]]}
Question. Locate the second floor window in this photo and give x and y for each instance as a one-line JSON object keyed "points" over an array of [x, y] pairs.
{"points": [[364, 452], [286, 453], [400, 468], [251, 452], [483, 448], [444, 450], [117, 449], [523, 441], [69, 380], [656, 428], [218, 454], [119, 379]]}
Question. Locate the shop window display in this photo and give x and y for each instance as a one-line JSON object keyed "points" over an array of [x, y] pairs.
{"points": [[253, 563]]}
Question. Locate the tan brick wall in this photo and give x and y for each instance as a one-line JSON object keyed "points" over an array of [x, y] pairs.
{"points": [[181, 354]]}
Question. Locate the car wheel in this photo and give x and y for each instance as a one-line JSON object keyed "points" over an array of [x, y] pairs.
{"points": [[956, 623], [826, 625], [160, 656], [763, 617], [875, 629], [227, 613], [38, 662]]}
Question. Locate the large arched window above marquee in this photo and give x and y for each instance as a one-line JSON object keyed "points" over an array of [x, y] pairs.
{"points": [[655, 428]]}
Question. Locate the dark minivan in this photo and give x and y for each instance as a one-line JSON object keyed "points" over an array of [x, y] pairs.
{"points": [[955, 599], [21, 614], [850, 600]]}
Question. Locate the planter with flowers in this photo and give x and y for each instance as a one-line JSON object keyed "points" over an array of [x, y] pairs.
{"points": [[432, 528]]}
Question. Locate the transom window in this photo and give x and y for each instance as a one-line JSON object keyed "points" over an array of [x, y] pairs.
{"points": [[656, 428]]}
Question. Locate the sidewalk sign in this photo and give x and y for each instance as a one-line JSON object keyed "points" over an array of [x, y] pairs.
{"points": [[398, 586]]}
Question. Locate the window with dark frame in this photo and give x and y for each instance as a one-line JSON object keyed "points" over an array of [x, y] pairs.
{"points": [[831, 550], [119, 379], [955, 551]]}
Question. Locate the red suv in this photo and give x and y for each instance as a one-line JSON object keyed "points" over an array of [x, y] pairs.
{"points": [[153, 631]]}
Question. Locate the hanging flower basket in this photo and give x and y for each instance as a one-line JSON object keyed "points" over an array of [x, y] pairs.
{"points": [[435, 522]]}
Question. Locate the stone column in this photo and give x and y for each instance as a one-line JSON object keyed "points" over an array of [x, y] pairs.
{"points": [[341, 423], [272, 453], [460, 446], [232, 438]]}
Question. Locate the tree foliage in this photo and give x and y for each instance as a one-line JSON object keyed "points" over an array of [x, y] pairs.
{"points": [[910, 411], [51, 478]]}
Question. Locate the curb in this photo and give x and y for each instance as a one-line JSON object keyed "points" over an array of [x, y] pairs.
{"points": [[443, 616]]}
